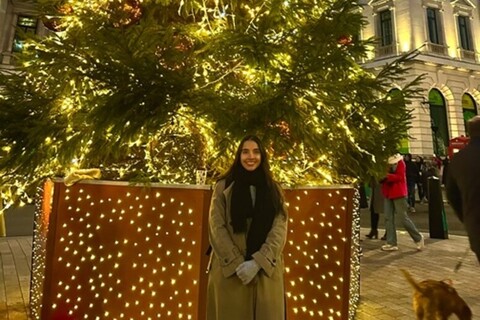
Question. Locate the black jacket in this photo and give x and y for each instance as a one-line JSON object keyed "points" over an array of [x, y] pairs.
{"points": [[463, 190], [412, 171]]}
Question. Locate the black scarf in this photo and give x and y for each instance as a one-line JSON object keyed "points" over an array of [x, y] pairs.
{"points": [[262, 213]]}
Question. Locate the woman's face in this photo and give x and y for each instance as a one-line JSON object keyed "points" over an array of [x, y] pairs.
{"points": [[250, 156]]}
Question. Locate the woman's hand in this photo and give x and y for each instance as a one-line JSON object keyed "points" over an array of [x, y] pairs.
{"points": [[247, 270]]}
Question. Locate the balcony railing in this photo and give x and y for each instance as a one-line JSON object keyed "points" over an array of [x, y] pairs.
{"points": [[435, 48], [383, 51], [467, 55]]}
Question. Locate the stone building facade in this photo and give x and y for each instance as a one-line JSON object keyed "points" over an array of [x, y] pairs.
{"points": [[447, 34], [15, 15]]}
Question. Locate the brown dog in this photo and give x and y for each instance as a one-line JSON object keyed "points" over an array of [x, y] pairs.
{"points": [[437, 300]]}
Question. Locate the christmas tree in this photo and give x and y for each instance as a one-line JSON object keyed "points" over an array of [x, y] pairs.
{"points": [[153, 90]]}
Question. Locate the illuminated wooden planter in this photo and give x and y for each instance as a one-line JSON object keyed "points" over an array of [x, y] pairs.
{"points": [[110, 250]]}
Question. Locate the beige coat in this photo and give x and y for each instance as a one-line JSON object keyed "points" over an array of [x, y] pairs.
{"points": [[227, 297]]}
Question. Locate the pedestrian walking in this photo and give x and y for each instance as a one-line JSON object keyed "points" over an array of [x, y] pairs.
{"points": [[421, 172], [376, 207], [412, 174], [394, 188]]}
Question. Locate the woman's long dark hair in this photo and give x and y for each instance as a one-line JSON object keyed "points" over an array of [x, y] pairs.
{"points": [[274, 188]]}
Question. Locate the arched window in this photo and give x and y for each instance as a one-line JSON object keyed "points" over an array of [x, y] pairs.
{"points": [[403, 146], [439, 124], [469, 108]]}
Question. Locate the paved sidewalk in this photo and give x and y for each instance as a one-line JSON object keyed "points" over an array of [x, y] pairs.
{"points": [[385, 294], [15, 267]]}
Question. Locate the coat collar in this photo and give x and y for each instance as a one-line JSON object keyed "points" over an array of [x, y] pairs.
{"points": [[227, 192]]}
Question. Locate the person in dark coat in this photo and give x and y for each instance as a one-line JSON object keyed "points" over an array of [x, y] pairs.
{"points": [[420, 185], [377, 203], [412, 173], [463, 185], [431, 170]]}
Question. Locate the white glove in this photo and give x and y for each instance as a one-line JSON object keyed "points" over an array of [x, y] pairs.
{"points": [[247, 271]]}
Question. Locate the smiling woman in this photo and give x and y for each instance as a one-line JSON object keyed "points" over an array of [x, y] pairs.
{"points": [[251, 156], [247, 232]]}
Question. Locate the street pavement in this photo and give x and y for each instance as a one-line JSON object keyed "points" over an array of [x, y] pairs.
{"points": [[15, 270], [385, 293]]}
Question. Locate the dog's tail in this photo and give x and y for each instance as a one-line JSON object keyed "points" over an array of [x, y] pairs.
{"points": [[411, 280]]}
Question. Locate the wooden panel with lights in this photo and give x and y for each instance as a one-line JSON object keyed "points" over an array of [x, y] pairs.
{"points": [[125, 252], [117, 251], [317, 253]]}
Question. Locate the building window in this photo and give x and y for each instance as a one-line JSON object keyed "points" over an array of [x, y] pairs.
{"points": [[25, 25], [439, 123], [385, 33], [386, 29], [469, 108], [465, 33], [434, 27]]}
